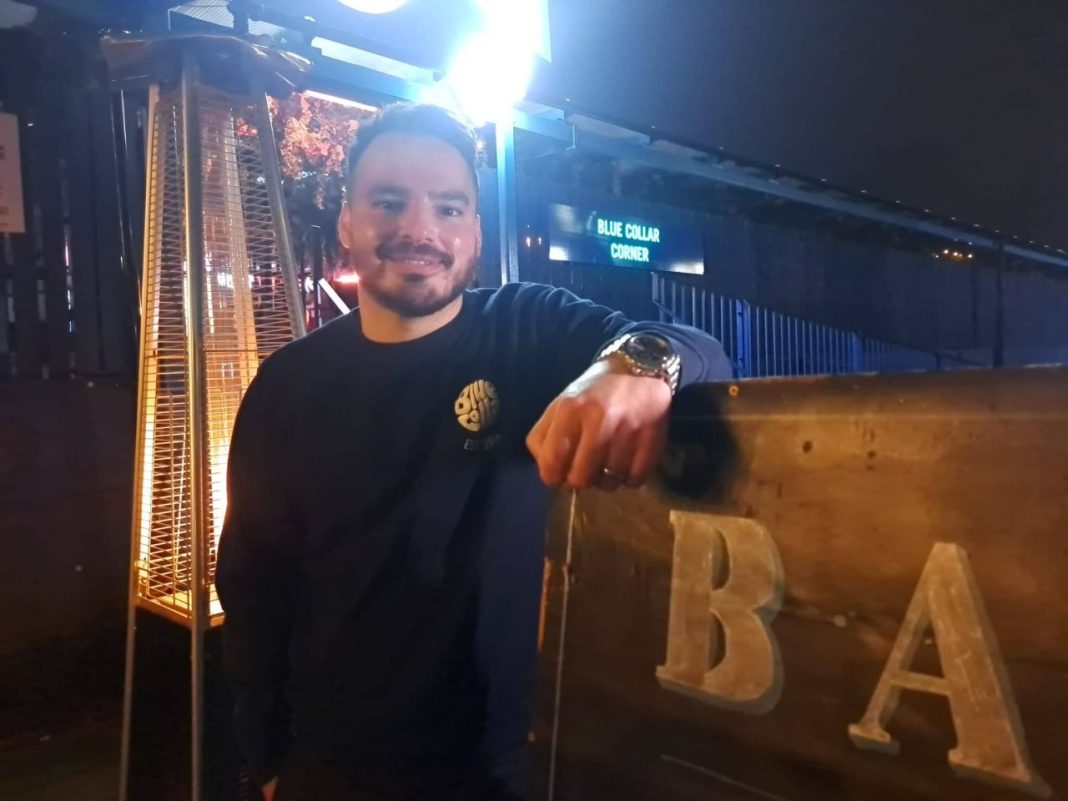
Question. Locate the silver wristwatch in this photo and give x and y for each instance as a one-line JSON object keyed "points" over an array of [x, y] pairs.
{"points": [[646, 354]]}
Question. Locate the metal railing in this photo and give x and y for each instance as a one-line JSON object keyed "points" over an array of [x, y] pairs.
{"points": [[763, 343]]}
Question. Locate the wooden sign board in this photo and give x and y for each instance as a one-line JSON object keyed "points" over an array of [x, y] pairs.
{"points": [[862, 596]]}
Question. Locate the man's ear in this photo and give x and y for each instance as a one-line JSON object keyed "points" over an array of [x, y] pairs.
{"points": [[343, 226], [478, 237]]}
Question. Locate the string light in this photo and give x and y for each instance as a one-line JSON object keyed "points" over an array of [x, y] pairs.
{"points": [[953, 255]]}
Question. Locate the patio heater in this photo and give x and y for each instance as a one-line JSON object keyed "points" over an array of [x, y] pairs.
{"points": [[218, 294]]}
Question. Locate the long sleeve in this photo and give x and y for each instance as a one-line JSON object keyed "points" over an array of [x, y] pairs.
{"points": [[256, 577], [572, 332]]}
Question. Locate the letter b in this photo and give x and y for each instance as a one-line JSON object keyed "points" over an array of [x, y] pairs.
{"points": [[749, 677]]}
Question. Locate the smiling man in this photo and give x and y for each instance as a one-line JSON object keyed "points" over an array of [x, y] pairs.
{"points": [[381, 562], [411, 277]]}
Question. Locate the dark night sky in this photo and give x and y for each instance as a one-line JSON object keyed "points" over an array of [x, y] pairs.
{"points": [[957, 106]]}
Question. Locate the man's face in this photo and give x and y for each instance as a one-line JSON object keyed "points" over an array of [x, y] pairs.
{"points": [[411, 224]]}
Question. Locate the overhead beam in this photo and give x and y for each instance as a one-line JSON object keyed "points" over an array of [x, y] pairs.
{"points": [[734, 176], [337, 76]]}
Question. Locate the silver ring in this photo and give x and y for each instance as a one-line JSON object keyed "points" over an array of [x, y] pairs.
{"points": [[613, 475]]}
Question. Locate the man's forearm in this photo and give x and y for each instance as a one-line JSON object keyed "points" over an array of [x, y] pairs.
{"points": [[256, 589], [255, 668]]}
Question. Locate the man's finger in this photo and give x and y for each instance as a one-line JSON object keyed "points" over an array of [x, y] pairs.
{"points": [[590, 454], [558, 447], [537, 434], [616, 470], [649, 447]]}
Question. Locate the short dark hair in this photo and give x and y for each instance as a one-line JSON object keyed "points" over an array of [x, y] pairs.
{"points": [[421, 119]]}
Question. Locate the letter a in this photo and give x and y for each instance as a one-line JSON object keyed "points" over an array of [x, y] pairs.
{"points": [[749, 677], [991, 745]]}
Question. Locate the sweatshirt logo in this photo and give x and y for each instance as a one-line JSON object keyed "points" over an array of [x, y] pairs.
{"points": [[477, 407]]}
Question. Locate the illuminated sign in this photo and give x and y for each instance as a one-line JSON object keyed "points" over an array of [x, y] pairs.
{"points": [[592, 237]]}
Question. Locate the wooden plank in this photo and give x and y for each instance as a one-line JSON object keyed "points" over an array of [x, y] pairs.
{"points": [[17, 93], [29, 346], [860, 486], [83, 211], [7, 259], [66, 450], [51, 127]]}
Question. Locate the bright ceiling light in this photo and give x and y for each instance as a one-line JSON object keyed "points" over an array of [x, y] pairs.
{"points": [[489, 76], [373, 6], [493, 67]]}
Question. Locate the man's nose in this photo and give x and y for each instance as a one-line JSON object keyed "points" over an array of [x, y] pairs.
{"points": [[417, 223]]}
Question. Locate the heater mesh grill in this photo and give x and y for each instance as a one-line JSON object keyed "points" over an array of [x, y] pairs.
{"points": [[245, 318]]}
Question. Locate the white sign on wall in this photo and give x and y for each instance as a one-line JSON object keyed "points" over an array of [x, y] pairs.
{"points": [[12, 216]]}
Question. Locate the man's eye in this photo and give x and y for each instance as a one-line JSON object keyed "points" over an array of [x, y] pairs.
{"points": [[451, 211], [390, 206]]}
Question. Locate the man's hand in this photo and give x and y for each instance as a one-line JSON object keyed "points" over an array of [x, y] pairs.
{"points": [[268, 789], [606, 429]]}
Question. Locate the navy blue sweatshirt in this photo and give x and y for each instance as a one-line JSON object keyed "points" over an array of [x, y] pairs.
{"points": [[381, 562]]}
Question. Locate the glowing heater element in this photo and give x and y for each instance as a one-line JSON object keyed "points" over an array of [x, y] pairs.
{"points": [[208, 322], [218, 295]]}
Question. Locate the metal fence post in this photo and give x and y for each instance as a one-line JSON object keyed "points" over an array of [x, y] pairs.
{"points": [[317, 272], [507, 199], [743, 339], [856, 352]]}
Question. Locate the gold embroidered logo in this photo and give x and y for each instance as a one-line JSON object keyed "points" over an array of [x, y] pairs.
{"points": [[476, 408]]}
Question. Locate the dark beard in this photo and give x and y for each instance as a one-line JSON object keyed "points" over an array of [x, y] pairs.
{"points": [[412, 301]]}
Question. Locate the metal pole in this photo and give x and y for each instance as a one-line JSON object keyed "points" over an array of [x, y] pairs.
{"points": [[743, 334], [999, 308], [152, 152], [283, 241], [119, 125], [198, 465], [317, 272], [561, 648], [506, 199]]}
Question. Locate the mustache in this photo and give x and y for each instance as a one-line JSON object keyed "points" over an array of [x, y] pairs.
{"points": [[396, 251]]}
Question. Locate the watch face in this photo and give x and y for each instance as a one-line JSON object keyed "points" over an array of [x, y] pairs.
{"points": [[648, 349]]}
